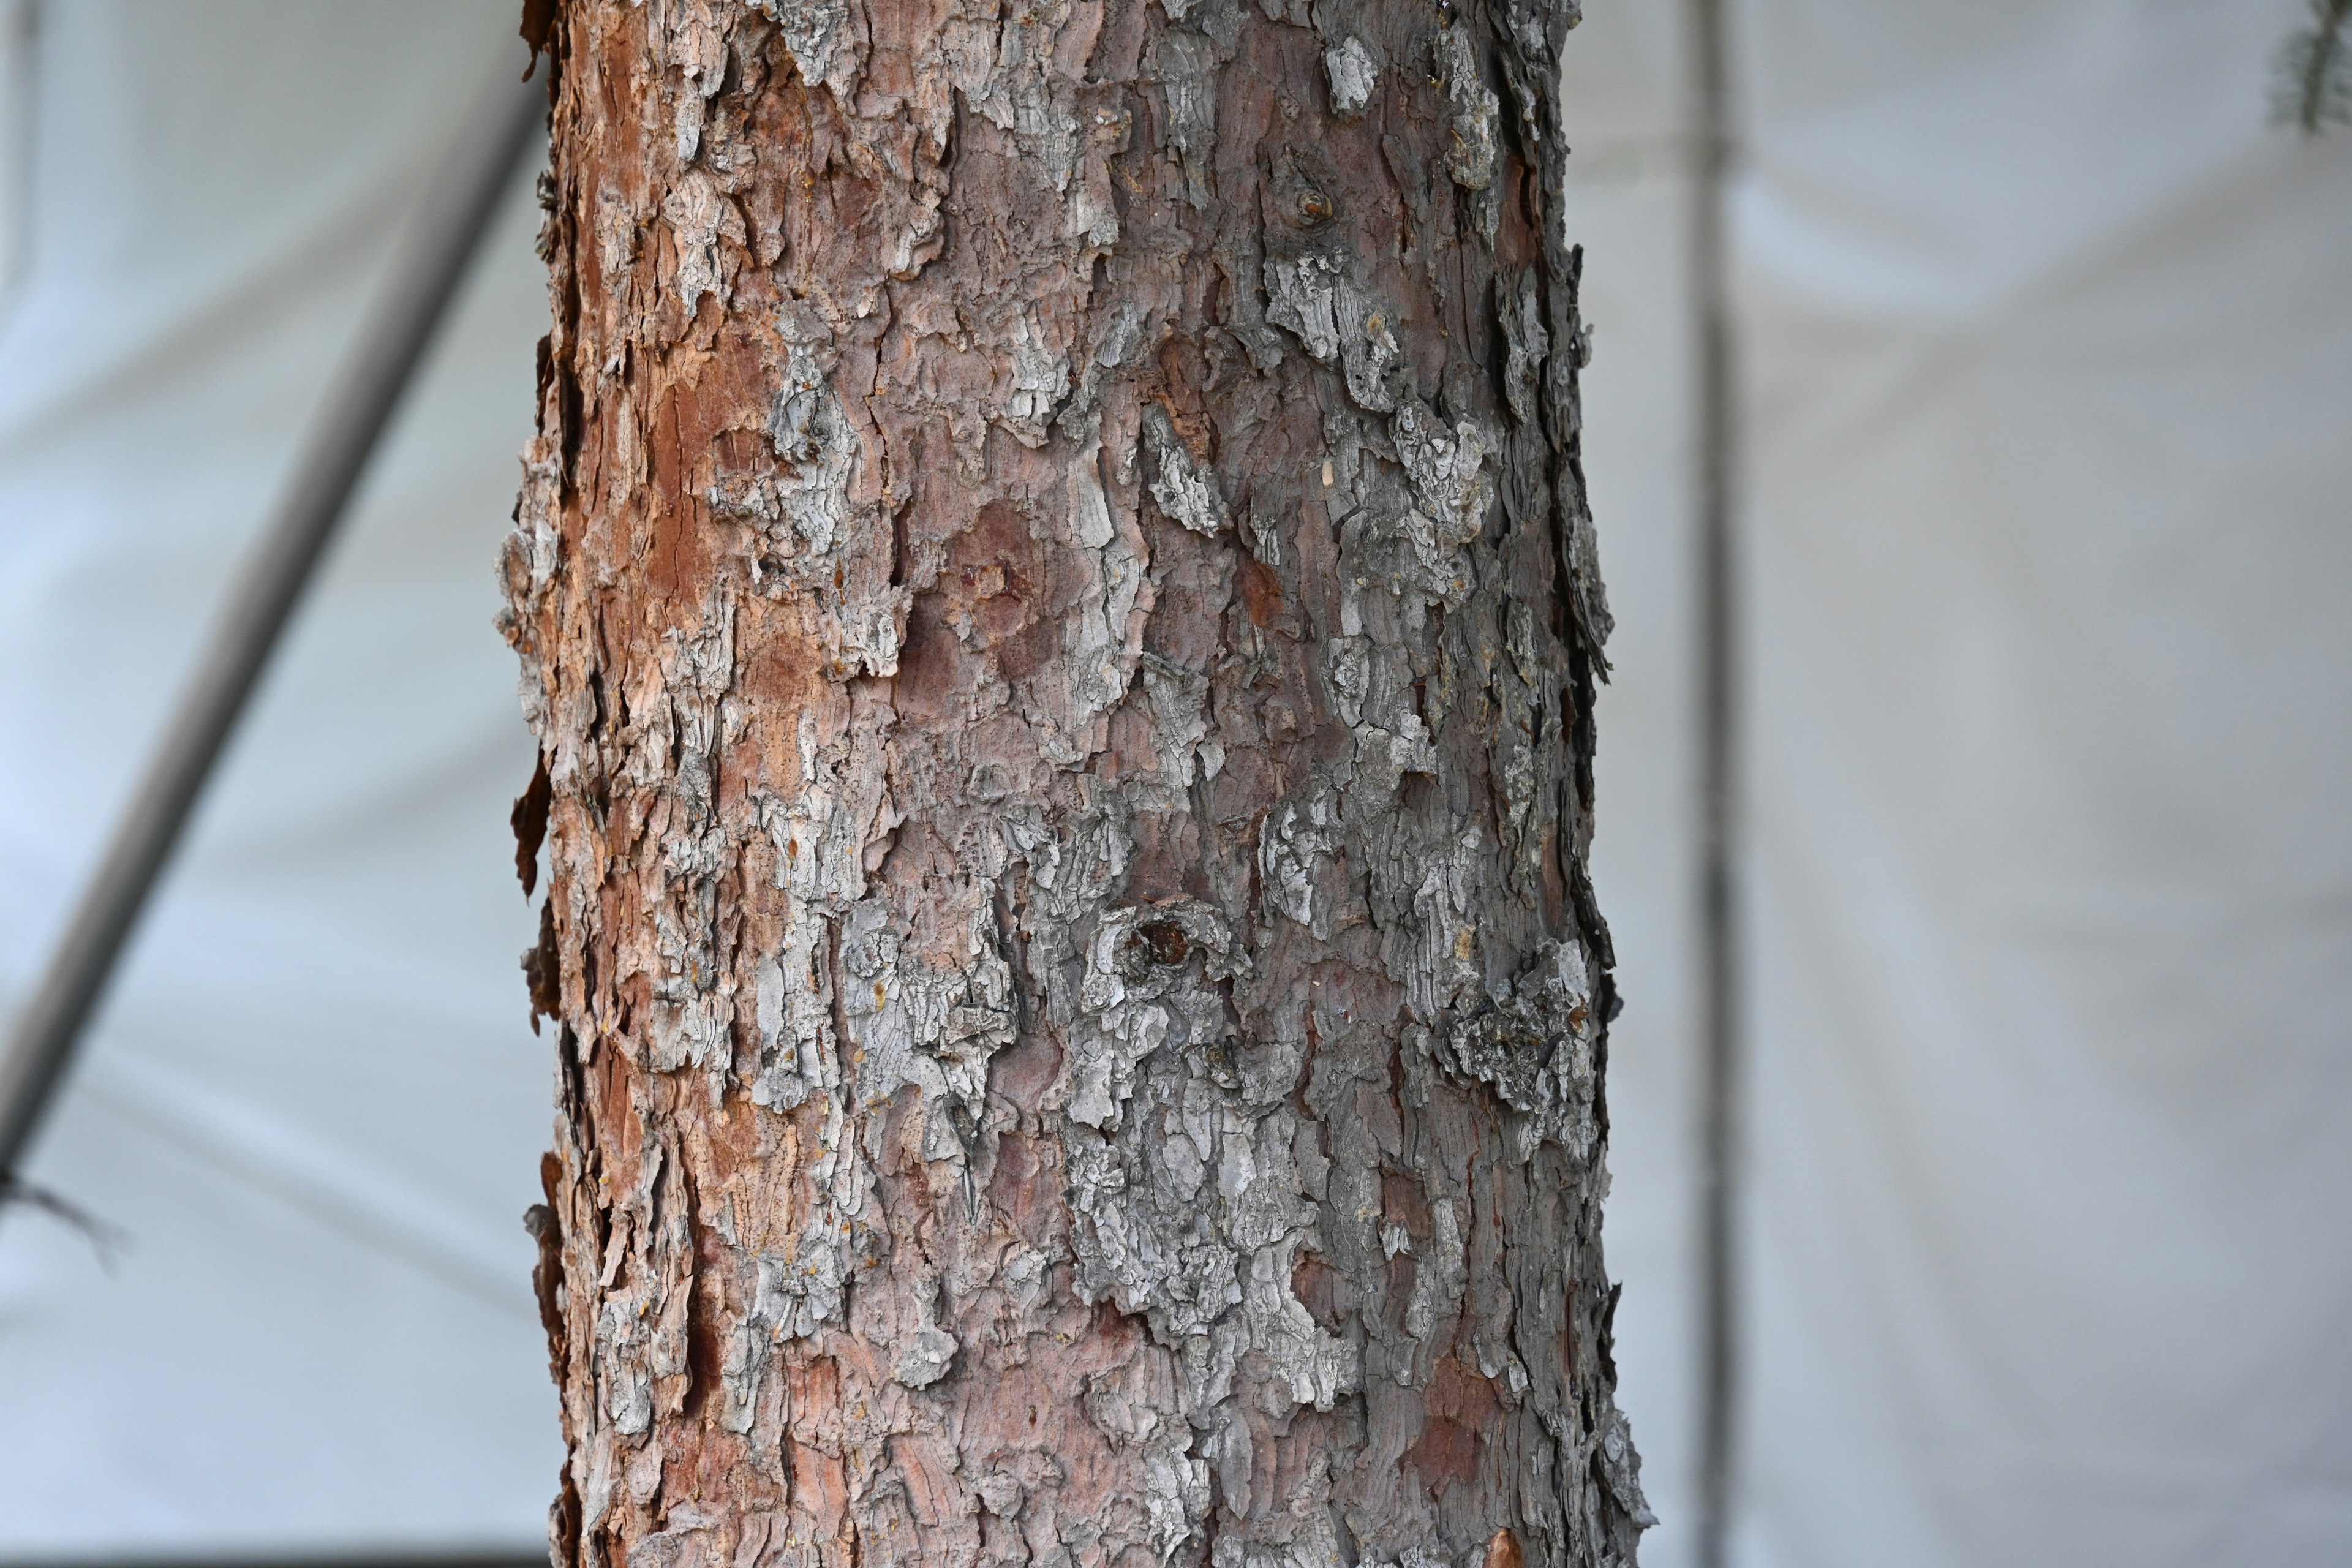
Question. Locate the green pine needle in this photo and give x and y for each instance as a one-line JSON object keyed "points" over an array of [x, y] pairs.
{"points": [[2314, 73]]}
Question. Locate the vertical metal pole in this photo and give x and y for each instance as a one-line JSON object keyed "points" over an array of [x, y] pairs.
{"points": [[1720, 1062], [438, 242]]}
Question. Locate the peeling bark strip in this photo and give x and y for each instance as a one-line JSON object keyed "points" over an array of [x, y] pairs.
{"points": [[1054, 589]]}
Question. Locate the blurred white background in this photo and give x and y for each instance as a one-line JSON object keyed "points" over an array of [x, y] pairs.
{"points": [[313, 1103], [2046, 367]]}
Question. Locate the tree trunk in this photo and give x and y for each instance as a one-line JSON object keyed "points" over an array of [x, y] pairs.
{"points": [[1054, 589]]}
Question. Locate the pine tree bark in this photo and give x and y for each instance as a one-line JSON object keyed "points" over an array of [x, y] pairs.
{"points": [[1054, 589]]}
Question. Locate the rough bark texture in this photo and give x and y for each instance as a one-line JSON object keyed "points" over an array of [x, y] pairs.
{"points": [[1054, 589]]}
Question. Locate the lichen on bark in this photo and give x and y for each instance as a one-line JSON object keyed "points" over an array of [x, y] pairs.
{"points": [[1054, 590]]}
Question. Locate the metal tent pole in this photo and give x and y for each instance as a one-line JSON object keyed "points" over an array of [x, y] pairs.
{"points": [[427, 265], [1720, 1044]]}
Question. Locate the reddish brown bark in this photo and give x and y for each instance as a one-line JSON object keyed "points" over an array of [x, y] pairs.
{"points": [[1054, 589]]}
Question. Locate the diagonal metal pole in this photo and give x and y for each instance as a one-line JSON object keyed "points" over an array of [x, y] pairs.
{"points": [[427, 265], [1721, 1052]]}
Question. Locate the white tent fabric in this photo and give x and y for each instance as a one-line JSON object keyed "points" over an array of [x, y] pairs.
{"points": [[2044, 545], [312, 1105], [2050, 732], [2050, 876]]}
